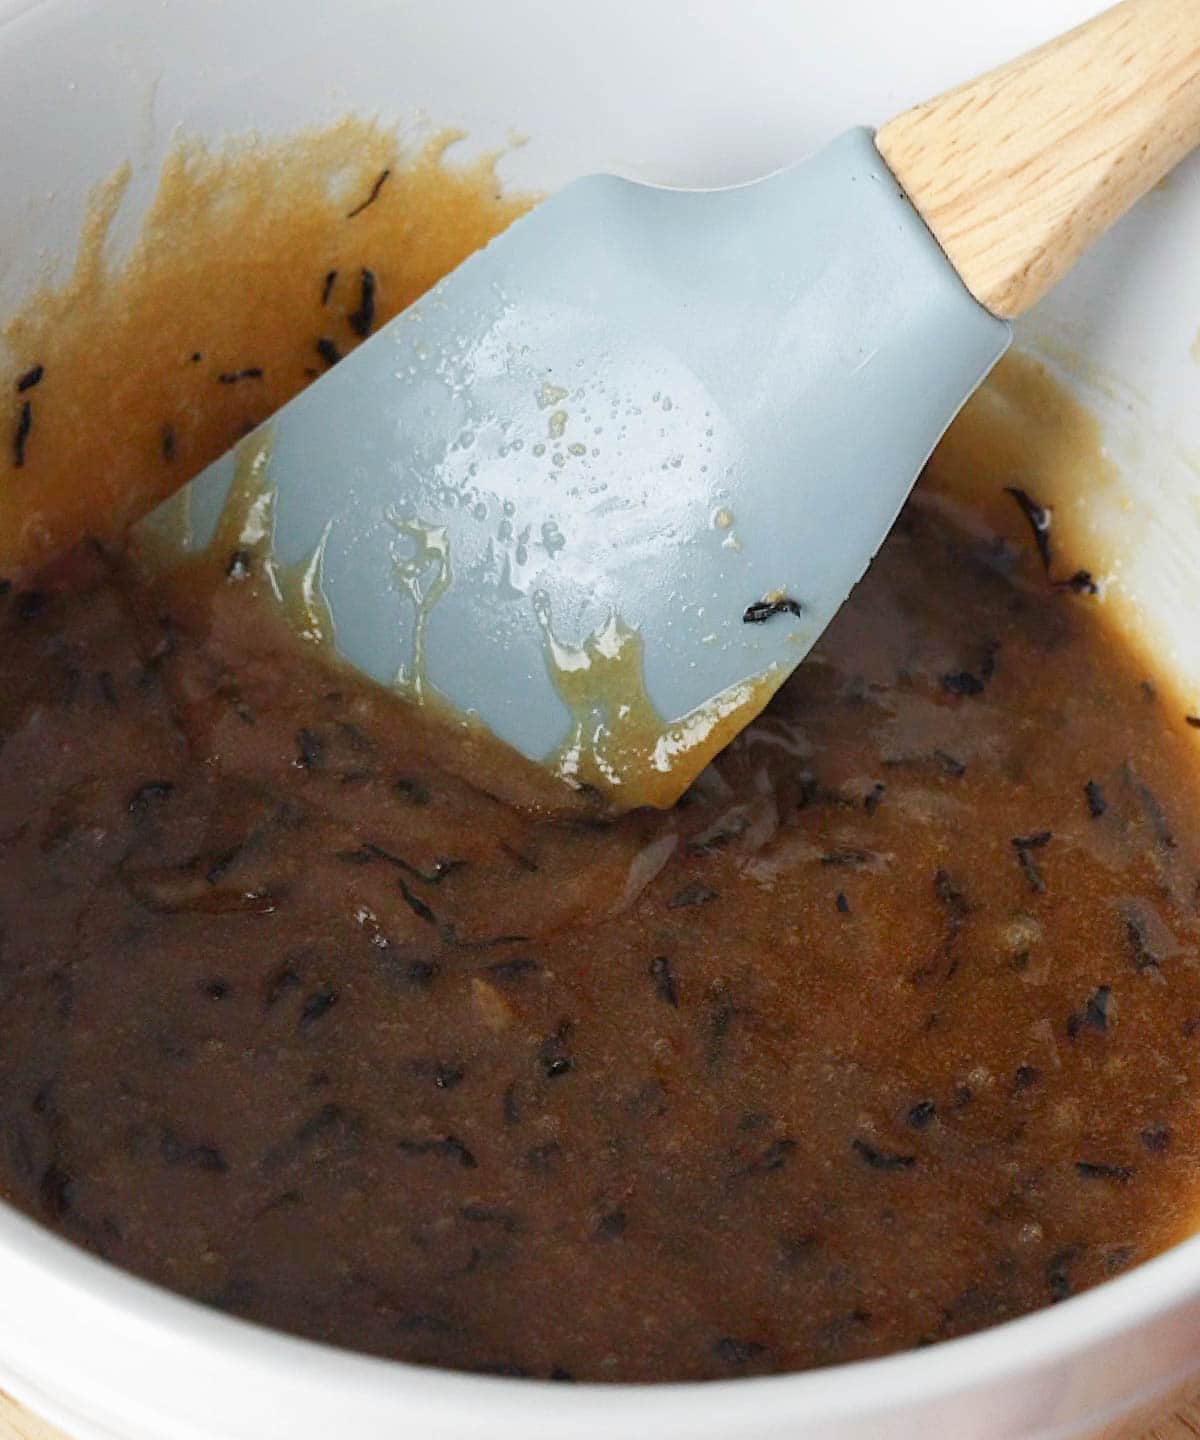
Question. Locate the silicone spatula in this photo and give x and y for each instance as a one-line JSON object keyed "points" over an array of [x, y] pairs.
{"points": [[606, 483]]}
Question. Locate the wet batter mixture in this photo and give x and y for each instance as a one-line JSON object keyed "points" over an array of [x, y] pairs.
{"points": [[342, 1020]]}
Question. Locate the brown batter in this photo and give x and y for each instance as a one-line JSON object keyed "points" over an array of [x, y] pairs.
{"points": [[334, 1019], [245, 283]]}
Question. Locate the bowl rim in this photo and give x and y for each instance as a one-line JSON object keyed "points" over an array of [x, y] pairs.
{"points": [[1035, 1342]]}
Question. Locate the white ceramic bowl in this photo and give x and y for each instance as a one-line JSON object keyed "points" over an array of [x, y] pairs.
{"points": [[686, 91]]}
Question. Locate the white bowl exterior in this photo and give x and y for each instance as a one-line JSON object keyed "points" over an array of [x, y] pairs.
{"points": [[677, 91]]}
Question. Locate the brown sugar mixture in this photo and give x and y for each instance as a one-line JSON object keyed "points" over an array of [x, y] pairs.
{"points": [[343, 1021]]}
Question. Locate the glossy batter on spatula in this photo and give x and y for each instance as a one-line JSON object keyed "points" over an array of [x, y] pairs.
{"points": [[322, 1009]]}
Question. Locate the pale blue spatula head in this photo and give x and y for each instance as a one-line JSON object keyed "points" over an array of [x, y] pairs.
{"points": [[689, 416]]}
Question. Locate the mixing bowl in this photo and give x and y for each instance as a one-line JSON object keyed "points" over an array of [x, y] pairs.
{"points": [[678, 91]]}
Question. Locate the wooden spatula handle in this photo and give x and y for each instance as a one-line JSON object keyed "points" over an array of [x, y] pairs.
{"points": [[1016, 173]]}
